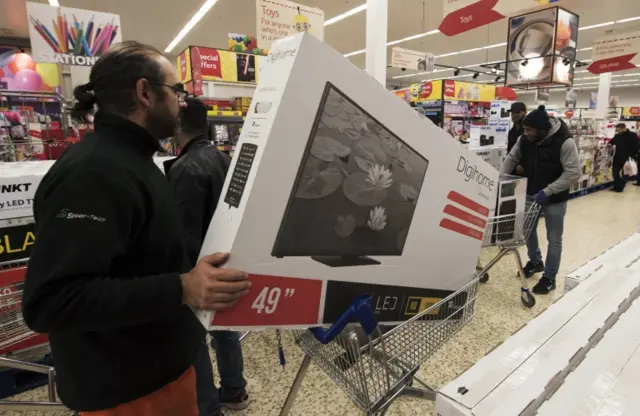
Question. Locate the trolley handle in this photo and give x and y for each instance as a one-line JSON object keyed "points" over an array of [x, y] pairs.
{"points": [[360, 309]]}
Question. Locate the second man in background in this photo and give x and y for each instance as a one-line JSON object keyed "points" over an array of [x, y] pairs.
{"points": [[197, 177]]}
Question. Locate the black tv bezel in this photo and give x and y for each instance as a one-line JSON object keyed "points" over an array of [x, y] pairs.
{"points": [[275, 252]]}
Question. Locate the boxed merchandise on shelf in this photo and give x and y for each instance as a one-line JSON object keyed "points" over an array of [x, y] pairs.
{"points": [[351, 210], [493, 155], [517, 377]]}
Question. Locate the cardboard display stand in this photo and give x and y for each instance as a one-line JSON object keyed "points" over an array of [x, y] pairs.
{"points": [[335, 193]]}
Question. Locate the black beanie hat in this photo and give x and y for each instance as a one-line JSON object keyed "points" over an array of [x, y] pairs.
{"points": [[537, 119]]}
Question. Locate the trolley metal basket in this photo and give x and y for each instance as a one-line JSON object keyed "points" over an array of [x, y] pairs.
{"points": [[374, 367], [509, 233], [14, 333]]}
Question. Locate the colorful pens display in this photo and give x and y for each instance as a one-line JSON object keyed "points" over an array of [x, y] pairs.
{"points": [[70, 36]]}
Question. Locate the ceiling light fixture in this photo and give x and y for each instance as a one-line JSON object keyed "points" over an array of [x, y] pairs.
{"points": [[497, 45], [354, 53], [629, 19], [498, 78], [441, 78], [566, 61], [346, 14], [456, 72], [597, 25], [190, 24], [54, 3], [476, 75], [525, 62], [418, 36]]}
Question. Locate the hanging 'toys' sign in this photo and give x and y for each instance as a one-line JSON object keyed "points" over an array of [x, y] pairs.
{"points": [[463, 15]]}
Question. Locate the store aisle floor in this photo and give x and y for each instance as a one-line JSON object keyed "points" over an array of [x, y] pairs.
{"points": [[593, 224]]}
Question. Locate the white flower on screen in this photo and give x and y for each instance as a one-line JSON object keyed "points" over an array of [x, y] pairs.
{"points": [[377, 219], [379, 176]]}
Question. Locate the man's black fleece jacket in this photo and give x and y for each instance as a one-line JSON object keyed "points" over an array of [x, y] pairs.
{"points": [[104, 275]]}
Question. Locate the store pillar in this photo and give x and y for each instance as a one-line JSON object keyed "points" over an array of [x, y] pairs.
{"points": [[376, 58], [604, 89]]}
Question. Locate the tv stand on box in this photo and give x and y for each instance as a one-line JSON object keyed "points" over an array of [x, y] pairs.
{"points": [[345, 261]]}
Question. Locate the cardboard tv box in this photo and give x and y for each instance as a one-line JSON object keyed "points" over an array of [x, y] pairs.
{"points": [[338, 189], [516, 377]]}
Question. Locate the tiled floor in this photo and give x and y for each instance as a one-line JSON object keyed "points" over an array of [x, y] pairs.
{"points": [[593, 224]]}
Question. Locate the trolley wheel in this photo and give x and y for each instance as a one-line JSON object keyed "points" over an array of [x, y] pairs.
{"points": [[528, 299], [484, 278]]}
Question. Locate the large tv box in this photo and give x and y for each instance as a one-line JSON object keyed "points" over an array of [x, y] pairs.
{"points": [[337, 190]]}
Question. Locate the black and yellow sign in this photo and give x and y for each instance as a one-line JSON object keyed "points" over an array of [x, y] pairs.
{"points": [[16, 242]]}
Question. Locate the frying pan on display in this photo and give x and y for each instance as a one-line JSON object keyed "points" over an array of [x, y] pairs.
{"points": [[532, 39]]}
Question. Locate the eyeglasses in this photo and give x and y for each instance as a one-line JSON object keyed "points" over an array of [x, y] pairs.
{"points": [[178, 90]]}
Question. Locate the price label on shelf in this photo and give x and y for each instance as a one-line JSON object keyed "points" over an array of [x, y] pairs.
{"points": [[275, 300]]}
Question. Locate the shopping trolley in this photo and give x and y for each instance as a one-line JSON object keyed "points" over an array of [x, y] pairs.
{"points": [[14, 332], [374, 367], [509, 233]]}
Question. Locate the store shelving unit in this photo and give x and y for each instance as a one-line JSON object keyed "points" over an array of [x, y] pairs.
{"points": [[29, 122]]}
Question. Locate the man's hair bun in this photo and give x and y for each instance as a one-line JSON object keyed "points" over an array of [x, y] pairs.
{"points": [[85, 102]]}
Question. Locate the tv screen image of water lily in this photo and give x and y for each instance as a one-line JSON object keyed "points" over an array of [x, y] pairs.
{"points": [[356, 189]]}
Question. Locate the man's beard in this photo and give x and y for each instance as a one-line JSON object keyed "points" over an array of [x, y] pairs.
{"points": [[160, 123]]}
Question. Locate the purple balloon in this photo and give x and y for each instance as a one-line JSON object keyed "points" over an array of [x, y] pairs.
{"points": [[28, 80]]}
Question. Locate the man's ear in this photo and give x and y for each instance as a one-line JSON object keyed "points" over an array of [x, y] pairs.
{"points": [[143, 93]]}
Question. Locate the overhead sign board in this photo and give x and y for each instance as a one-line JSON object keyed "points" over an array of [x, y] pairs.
{"points": [[463, 15], [415, 60], [614, 53]]}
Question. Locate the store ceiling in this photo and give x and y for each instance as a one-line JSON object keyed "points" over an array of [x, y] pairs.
{"points": [[158, 21]]}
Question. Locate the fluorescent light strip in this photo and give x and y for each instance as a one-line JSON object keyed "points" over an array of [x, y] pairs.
{"points": [[453, 77], [635, 74], [395, 42], [433, 32], [54, 3], [346, 14], [194, 20], [612, 82], [629, 19], [355, 53], [597, 25]]}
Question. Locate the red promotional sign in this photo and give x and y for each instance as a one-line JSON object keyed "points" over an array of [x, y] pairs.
{"points": [[275, 300], [206, 61], [470, 17], [449, 88], [617, 63], [183, 66], [426, 90], [506, 93]]}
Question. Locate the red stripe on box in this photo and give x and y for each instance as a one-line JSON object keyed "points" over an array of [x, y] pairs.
{"points": [[468, 203], [465, 216], [461, 229], [275, 300]]}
